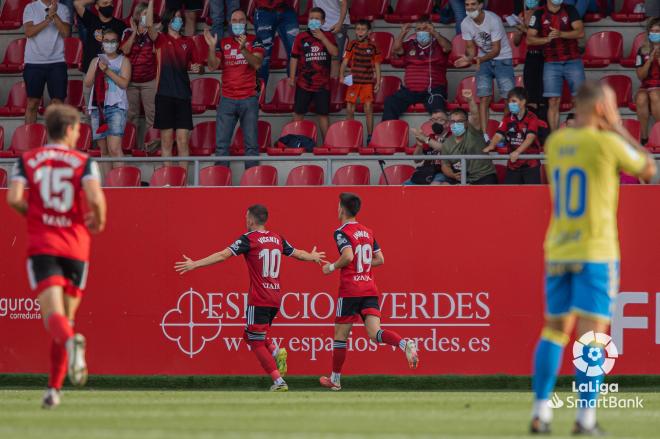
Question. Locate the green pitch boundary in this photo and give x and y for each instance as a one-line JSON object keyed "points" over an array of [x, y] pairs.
{"points": [[358, 382]]}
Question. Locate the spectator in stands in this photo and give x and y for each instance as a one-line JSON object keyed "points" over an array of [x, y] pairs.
{"points": [[337, 21], [108, 76], [570, 120], [239, 60], [363, 58], [174, 53], [558, 28], [467, 139], [483, 30], [46, 25], [648, 72], [425, 77], [310, 69], [458, 6], [273, 16], [95, 25], [219, 11], [430, 171], [519, 131], [190, 10], [138, 45]]}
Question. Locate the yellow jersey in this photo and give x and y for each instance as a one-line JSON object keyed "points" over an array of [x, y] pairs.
{"points": [[583, 167]]}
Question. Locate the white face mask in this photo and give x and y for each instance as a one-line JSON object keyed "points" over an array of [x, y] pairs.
{"points": [[473, 14], [110, 48]]}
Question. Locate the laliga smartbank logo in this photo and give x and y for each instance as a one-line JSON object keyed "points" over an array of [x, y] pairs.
{"points": [[594, 354]]}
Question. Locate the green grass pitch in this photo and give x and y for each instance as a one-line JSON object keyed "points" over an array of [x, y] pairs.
{"points": [[179, 414]]}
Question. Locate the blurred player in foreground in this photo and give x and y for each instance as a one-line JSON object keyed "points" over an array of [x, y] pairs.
{"points": [[581, 246], [58, 237], [263, 254], [358, 293]]}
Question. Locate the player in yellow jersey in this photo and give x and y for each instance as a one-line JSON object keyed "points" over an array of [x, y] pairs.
{"points": [[582, 246]]}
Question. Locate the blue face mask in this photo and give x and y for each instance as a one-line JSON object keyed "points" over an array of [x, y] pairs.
{"points": [[314, 24], [531, 4], [423, 37], [238, 28], [514, 107], [654, 37], [176, 24], [557, 2], [458, 128]]}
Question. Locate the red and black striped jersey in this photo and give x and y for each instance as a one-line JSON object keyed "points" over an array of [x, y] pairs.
{"points": [[356, 279], [559, 49]]}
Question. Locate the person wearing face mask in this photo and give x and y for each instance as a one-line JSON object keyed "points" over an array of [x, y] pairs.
{"points": [[557, 29], [138, 45], [240, 57], [519, 130], [337, 20], [95, 25], [428, 141], [488, 47], [425, 77], [190, 9], [648, 71], [108, 76], [274, 17]]}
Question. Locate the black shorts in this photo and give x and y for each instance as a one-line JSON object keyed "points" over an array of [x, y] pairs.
{"points": [[188, 5], [526, 175], [257, 321], [304, 98], [46, 271], [349, 308], [533, 77], [53, 75], [173, 113]]}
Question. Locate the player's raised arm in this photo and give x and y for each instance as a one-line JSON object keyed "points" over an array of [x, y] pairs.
{"points": [[190, 265]]}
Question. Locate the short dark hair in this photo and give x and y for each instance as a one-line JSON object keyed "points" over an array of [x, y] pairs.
{"points": [[459, 111], [237, 10], [351, 203], [517, 92], [364, 22], [167, 17], [108, 31], [589, 93], [259, 213], [424, 19], [319, 10], [59, 117]]}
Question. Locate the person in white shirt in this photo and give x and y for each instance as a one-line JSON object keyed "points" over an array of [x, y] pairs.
{"points": [[337, 21], [483, 30], [46, 24]]}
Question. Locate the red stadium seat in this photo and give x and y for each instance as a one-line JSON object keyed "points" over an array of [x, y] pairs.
{"points": [[603, 48], [248, 6], [74, 95], [3, 178], [622, 86], [408, 11], [16, 101], [11, 15], [262, 175], [124, 176], [654, 138], [352, 175], [491, 127], [85, 139], [627, 13], [205, 94], [629, 61], [264, 140], [215, 176], [388, 137], [368, 9], [459, 101], [500, 7], [202, 139], [73, 50], [337, 95], [169, 176], [458, 47], [200, 49], [388, 86], [25, 138], [633, 126], [303, 127], [518, 52], [129, 138], [303, 14], [385, 43], [151, 135], [282, 100], [498, 105], [13, 59], [278, 57], [306, 175], [396, 175], [343, 137], [2, 138], [501, 173]]}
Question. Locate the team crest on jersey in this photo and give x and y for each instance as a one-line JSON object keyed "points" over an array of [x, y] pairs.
{"points": [[236, 245], [341, 240], [227, 46], [564, 19], [412, 52], [532, 21]]}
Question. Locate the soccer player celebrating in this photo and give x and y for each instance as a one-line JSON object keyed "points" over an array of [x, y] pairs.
{"points": [[358, 293], [581, 246], [263, 252], [58, 237]]}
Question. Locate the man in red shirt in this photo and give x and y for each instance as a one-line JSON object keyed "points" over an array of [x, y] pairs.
{"points": [[425, 77], [358, 293], [61, 179], [309, 69], [240, 59], [263, 252]]}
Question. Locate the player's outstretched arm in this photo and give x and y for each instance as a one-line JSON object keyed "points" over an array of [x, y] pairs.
{"points": [[15, 198], [95, 219], [312, 256], [189, 264], [345, 259]]}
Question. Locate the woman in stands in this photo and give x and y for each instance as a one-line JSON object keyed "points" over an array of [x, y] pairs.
{"points": [[648, 72]]}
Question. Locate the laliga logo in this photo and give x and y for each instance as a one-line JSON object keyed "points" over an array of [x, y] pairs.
{"points": [[191, 324], [594, 354]]}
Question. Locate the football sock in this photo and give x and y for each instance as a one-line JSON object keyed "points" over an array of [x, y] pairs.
{"points": [[279, 380], [547, 360], [542, 410], [57, 365], [265, 358], [59, 328], [586, 417], [272, 347], [335, 377], [338, 355], [390, 338]]}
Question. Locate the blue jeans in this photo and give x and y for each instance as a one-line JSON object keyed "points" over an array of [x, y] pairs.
{"points": [[554, 74], [266, 23], [115, 118], [220, 10], [499, 69], [229, 112], [458, 6], [583, 6]]}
